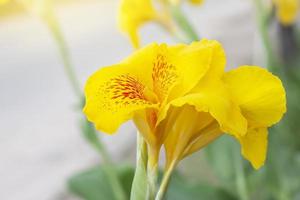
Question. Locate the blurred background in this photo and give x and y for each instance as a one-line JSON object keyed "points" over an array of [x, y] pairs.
{"points": [[41, 144]]}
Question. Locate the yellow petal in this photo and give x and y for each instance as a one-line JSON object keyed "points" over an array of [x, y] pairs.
{"points": [[166, 72], [193, 62], [254, 146], [114, 93], [176, 69], [201, 60], [259, 94], [287, 11], [204, 137], [215, 99], [145, 122], [183, 125], [179, 68], [217, 62]]}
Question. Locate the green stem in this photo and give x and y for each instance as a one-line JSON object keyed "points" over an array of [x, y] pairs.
{"points": [[55, 30], [165, 182], [92, 137], [152, 173], [297, 35], [184, 24], [240, 176], [139, 184], [263, 16], [108, 165]]}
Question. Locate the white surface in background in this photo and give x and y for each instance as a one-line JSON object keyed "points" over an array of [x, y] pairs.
{"points": [[40, 143]]}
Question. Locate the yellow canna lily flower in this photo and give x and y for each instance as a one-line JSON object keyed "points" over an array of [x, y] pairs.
{"points": [[287, 10], [155, 78], [261, 98], [176, 96]]}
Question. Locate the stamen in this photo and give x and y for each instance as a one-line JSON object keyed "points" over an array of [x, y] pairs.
{"points": [[164, 76], [126, 86], [122, 91]]}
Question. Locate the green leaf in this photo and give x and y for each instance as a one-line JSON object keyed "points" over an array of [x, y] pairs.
{"points": [[90, 134], [181, 189], [220, 157], [93, 184]]}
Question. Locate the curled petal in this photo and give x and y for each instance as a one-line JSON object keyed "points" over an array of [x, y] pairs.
{"points": [[215, 99], [259, 94], [254, 146]]}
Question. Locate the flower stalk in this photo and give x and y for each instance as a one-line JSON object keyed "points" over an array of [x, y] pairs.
{"points": [[183, 23], [152, 173], [240, 178], [55, 30], [165, 182], [139, 184], [108, 166], [263, 16]]}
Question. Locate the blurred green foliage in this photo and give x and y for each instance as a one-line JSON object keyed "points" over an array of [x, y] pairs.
{"points": [[279, 179], [92, 184]]}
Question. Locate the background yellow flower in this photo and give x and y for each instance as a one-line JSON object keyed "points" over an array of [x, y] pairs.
{"points": [[287, 10], [135, 13], [196, 1]]}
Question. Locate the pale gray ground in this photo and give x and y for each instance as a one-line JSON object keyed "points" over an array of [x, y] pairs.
{"points": [[40, 143]]}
